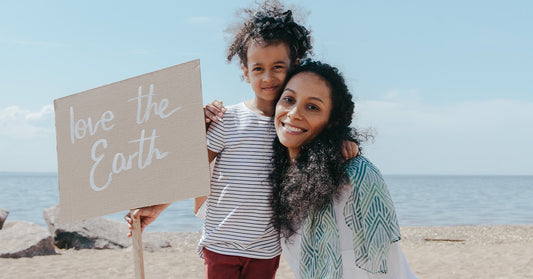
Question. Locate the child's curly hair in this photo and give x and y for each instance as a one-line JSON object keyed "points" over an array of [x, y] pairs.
{"points": [[270, 24]]}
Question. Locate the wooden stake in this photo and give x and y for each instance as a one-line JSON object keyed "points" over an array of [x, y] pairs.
{"points": [[137, 248]]}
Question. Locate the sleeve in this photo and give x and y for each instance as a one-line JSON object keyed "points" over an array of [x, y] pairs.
{"points": [[215, 135], [398, 263], [398, 267], [371, 216]]}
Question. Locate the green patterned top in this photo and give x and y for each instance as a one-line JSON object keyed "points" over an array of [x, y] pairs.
{"points": [[370, 215]]}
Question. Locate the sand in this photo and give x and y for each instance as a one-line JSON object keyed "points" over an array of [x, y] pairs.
{"points": [[432, 252]]}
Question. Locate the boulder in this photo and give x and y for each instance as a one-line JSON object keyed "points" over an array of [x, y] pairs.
{"points": [[104, 233], [94, 233], [25, 239], [154, 241], [3, 216]]}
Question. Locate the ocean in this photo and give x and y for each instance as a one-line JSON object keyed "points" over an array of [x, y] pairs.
{"points": [[420, 200]]}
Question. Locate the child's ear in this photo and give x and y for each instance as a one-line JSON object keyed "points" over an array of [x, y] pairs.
{"points": [[245, 73], [297, 62]]}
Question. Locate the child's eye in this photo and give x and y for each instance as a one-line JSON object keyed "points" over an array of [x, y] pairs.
{"points": [[256, 69]]}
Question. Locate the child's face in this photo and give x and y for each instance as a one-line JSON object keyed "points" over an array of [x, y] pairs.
{"points": [[267, 69]]}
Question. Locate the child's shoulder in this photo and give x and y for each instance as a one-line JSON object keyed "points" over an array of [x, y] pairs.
{"points": [[239, 110], [233, 111], [236, 107]]}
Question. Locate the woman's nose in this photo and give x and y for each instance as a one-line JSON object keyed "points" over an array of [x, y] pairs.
{"points": [[294, 113]]}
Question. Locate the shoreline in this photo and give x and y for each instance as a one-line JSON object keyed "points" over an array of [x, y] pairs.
{"points": [[432, 252]]}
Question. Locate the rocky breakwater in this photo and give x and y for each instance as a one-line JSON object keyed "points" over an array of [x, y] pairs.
{"points": [[3, 216], [102, 233], [23, 239]]}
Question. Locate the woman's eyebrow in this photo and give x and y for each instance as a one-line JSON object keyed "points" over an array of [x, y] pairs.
{"points": [[317, 99], [289, 89]]}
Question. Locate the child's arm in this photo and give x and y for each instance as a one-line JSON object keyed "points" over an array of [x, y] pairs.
{"points": [[349, 149], [198, 201]]}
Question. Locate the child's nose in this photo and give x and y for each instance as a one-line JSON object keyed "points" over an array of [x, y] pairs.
{"points": [[268, 76]]}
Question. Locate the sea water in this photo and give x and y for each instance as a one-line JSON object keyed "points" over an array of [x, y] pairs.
{"points": [[420, 200]]}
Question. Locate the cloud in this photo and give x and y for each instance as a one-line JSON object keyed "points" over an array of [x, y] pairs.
{"points": [[18, 123], [411, 137], [403, 96], [485, 137]]}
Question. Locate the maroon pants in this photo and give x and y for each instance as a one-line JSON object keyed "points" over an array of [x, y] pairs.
{"points": [[218, 266]]}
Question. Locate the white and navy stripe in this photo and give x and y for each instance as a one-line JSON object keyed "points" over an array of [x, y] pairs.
{"points": [[239, 216]]}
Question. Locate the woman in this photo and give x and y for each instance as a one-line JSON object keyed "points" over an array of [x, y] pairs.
{"points": [[336, 218]]}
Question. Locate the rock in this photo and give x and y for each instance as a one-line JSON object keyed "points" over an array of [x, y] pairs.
{"points": [[25, 239], [103, 233], [94, 233], [3, 216], [154, 241]]}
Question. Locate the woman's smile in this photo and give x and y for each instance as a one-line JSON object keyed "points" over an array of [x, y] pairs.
{"points": [[291, 129]]}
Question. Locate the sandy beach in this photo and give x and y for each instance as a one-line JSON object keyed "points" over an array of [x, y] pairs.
{"points": [[432, 252]]}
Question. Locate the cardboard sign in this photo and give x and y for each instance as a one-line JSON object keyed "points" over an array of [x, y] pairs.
{"points": [[132, 143]]}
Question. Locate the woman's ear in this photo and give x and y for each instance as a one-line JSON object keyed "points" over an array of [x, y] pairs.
{"points": [[245, 73]]}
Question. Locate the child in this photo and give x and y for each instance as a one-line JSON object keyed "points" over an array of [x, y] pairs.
{"points": [[239, 239]]}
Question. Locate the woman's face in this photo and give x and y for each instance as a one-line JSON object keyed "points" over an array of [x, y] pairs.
{"points": [[303, 111]]}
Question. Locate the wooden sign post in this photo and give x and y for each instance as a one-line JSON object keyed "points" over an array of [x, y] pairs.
{"points": [[133, 143], [136, 237]]}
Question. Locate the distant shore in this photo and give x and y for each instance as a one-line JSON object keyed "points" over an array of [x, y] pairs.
{"points": [[432, 252]]}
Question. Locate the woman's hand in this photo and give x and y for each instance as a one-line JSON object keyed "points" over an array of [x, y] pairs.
{"points": [[214, 111], [349, 149], [146, 215]]}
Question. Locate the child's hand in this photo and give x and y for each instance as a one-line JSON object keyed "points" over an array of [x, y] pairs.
{"points": [[146, 215], [349, 149], [214, 111]]}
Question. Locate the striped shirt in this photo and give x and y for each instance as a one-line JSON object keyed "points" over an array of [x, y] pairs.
{"points": [[239, 215]]}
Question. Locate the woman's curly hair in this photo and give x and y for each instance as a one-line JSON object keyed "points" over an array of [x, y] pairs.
{"points": [[268, 25], [304, 186]]}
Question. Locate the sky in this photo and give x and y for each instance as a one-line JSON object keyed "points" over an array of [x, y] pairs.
{"points": [[445, 87]]}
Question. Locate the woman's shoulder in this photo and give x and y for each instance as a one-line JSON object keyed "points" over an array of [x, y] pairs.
{"points": [[361, 167], [360, 162]]}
